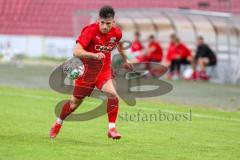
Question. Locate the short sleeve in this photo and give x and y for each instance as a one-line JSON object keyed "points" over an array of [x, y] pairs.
{"points": [[188, 52], [118, 35], [85, 37]]}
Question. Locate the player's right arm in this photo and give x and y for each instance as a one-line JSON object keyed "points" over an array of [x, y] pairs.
{"points": [[83, 41], [80, 52]]}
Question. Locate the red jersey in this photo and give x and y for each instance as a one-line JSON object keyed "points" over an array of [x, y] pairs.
{"points": [[136, 46], [157, 53], [179, 50], [184, 51], [93, 40]]}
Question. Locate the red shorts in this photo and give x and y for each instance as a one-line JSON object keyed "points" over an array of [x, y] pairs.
{"points": [[84, 85]]}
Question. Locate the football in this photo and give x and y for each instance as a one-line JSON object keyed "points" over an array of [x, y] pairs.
{"points": [[73, 68]]}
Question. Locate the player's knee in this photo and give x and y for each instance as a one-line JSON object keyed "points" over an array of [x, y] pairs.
{"points": [[190, 59], [199, 61], [74, 102], [112, 96]]}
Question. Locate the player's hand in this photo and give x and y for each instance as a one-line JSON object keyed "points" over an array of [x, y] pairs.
{"points": [[128, 65], [178, 56], [99, 56]]}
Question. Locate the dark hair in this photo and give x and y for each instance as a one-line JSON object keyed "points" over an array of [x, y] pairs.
{"points": [[173, 36], [151, 36], [106, 12], [137, 34], [200, 38], [178, 40]]}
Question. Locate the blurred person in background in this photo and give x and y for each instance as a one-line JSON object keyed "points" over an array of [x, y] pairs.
{"points": [[204, 57], [134, 51], [7, 53], [13, 56], [177, 55], [136, 47], [153, 53]]}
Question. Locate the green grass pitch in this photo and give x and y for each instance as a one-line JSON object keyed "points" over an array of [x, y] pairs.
{"points": [[27, 115]]}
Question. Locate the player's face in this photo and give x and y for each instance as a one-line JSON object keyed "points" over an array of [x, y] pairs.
{"points": [[105, 24], [136, 37], [199, 41], [172, 39], [151, 40]]}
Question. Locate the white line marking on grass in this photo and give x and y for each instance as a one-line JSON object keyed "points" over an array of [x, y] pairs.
{"points": [[28, 96], [37, 97], [125, 106], [193, 114], [204, 116]]}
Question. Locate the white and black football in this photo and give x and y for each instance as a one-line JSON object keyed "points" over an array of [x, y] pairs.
{"points": [[73, 68]]}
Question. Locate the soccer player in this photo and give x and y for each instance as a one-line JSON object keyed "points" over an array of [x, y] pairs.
{"points": [[136, 47], [153, 53], [204, 57], [177, 54], [93, 47]]}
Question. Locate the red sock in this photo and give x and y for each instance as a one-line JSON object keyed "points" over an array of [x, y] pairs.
{"points": [[195, 75], [112, 109], [66, 110]]}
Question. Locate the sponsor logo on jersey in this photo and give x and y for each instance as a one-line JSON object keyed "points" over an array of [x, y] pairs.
{"points": [[103, 48]]}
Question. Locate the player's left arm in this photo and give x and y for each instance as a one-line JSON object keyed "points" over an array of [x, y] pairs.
{"points": [[121, 51]]}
